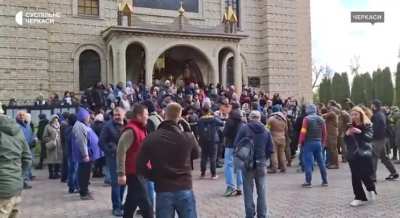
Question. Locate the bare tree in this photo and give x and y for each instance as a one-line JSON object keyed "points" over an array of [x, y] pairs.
{"points": [[354, 64], [320, 72]]}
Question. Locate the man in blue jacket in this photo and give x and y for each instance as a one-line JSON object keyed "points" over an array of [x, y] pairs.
{"points": [[263, 149], [109, 137], [379, 142]]}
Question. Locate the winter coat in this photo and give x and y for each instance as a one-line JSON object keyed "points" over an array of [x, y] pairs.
{"points": [[379, 125], [232, 127], [153, 122], [277, 124], [363, 141], [208, 129], [396, 120], [109, 137], [171, 171], [42, 124], [15, 157], [344, 119], [332, 124], [28, 132], [263, 146], [52, 141]]}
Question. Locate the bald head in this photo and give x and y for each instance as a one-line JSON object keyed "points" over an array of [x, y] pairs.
{"points": [[173, 112]]}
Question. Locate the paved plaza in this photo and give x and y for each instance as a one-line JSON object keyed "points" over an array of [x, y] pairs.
{"points": [[50, 199]]}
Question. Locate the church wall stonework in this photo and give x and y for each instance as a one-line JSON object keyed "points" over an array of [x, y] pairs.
{"points": [[40, 59]]}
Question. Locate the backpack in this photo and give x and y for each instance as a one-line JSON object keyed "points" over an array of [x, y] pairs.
{"points": [[207, 132], [244, 153]]}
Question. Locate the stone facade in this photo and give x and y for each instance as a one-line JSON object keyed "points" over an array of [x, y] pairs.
{"points": [[43, 59]]}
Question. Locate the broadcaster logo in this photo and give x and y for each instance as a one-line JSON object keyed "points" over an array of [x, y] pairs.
{"points": [[37, 17]]}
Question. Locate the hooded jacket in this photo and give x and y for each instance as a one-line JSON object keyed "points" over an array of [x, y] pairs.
{"points": [[263, 146], [277, 124], [232, 127], [379, 122], [15, 157], [213, 123]]}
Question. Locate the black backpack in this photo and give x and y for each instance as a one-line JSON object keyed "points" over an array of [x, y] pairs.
{"points": [[207, 132], [244, 153]]}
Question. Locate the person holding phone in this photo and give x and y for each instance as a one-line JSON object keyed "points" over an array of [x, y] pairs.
{"points": [[358, 138]]}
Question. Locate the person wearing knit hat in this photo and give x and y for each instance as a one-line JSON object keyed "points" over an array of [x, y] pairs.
{"points": [[84, 139], [52, 140], [277, 124], [97, 127], [313, 138], [379, 126]]}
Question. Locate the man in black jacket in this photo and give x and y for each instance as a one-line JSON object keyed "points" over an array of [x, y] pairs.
{"points": [[208, 138], [171, 173], [109, 137], [379, 142], [43, 121], [231, 129]]}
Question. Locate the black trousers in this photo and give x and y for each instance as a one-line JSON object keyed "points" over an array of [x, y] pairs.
{"points": [[137, 197], [84, 177], [361, 171], [54, 171], [64, 169], [208, 152], [42, 154]]}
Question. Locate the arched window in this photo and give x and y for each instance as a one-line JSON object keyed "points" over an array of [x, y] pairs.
{"points": [[89, 69], [88, 7], [236, 8]]}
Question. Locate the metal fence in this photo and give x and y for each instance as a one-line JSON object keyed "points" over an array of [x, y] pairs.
{"points": [[35, 111]]}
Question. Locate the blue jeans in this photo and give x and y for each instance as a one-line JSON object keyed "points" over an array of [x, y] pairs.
{"points": [[117, 191], [311, 150], [106, 172], [257, 176], [73, 175], [230, 170], [150, 191], [28, 173], [183, 202]]}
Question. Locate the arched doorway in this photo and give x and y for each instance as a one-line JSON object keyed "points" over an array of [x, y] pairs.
{"points": [[182, 65], [226, 60], [226, 67], [135, 63], [89, 69]]}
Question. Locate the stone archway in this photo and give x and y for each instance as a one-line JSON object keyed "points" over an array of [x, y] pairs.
{"points": [[135, 63], [76, 54], [230, 74], [183, 64]]}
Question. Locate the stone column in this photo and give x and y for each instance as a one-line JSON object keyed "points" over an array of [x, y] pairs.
{"points": [[237, 71], [121, 61], [149, 64], [215, 71]]}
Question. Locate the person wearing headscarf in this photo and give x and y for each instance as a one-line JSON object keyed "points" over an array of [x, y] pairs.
{"points": [[52, 141], [358, 138]]}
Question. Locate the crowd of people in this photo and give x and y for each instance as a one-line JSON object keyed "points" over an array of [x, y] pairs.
{"points": [[126, 134]]}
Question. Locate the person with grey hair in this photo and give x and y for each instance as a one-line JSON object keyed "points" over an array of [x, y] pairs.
{"points": [[255, 134]]}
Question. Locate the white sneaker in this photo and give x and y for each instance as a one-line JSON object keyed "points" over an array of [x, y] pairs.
{"points": [[371, 196], [357, 203]]}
